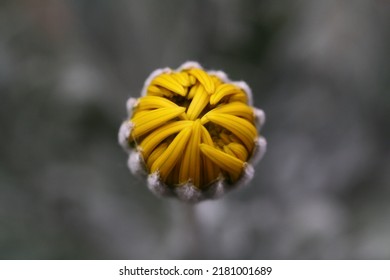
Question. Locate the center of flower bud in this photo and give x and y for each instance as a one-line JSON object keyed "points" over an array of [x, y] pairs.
{"points": [[193, 127]]}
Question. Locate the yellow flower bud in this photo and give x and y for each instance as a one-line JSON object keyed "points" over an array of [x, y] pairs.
{"points": [[193, 133]]}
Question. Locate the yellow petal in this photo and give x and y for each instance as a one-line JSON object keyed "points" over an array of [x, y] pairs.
{"points": [[158, 91], [193, 90], [153, 119], [238, 109], [242, 128], [157, 152], [204, 79], [224, 137], [217, 81], [160, 134], [240, 97], [192, 80], [155, 102], [198, 103], [139, 113], [210, 170], [166, 162], [229, 163], [239, 151], [222, 91], [173, 177], [227, 150], [168, 82], [191, 164], [183, 78]]}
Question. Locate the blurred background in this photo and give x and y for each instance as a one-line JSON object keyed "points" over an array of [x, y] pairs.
{"points": [[319, 69]]}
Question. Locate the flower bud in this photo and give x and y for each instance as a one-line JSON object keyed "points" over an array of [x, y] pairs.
{"points": [[193, 133]]}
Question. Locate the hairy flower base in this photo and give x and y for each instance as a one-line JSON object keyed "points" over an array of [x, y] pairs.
{"points": [[193, 133]]}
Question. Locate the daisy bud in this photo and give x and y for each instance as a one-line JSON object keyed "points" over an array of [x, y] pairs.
{"points": [[193, 133]]}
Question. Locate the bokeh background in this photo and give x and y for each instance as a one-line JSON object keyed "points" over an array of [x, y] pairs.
{"points": [[319, 70]]}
